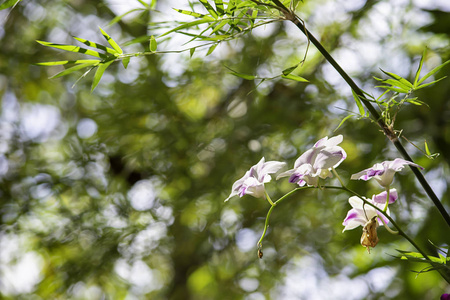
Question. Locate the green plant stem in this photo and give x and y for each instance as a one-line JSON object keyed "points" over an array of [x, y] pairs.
{"points": [[388, 131], [387, 199]]}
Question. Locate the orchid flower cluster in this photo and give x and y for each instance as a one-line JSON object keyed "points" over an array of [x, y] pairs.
{"points": [[320, 162]]}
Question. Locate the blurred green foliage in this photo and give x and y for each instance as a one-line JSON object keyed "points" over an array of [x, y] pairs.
{"points": [[118, 194]]}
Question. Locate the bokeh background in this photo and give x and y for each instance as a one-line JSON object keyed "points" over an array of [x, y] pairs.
{"points": [[118, 193]]}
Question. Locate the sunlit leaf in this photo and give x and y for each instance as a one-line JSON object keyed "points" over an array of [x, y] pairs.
{"points": [[125, 62], [209, 8], [358, 103], [343, 121], [391, 88], [219, 7], [400, 79], [295, 77], [186, 25], [191, 52], [118, 18], [95, 45], [8, 4], [99, 73], [433, 71], [65, 62], [243, 76], [221, 24], [289, 70], [419, 69], [153, 44], [72, 69], [211, 49], [194, 14], [430, 83], [73, 48], [111, 41]]}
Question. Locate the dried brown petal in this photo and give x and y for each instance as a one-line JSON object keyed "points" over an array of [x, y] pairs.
{"points": [[260, 253], [369, 237]]}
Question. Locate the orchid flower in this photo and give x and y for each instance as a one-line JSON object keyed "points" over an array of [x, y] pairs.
{"points": [[366, 216], [317, 162], [253, 181], [382, 197], [384, 172]]}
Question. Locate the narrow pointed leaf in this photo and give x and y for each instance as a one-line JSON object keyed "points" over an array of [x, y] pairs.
{"points": [[95, 45], [209, 8], [186, 25], [144, 4], [72, 69], [289, 70], [399, 78], [231, 7], [419, 69], [153, 44], [191, 52], [99, 73], [194, 14], [395, 83], [8, 4], [118, 18], [433, 71], [211, 49], [358, 103], [343, 121], [430, 83], [65, 62], [219, 7], [295, 77], [111, 42], [125, 62], [394, 89], [72, 48], [243, 76], [221, 24]]}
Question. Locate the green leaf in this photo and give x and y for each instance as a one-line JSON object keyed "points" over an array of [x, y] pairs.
{"points": [[358, 103], [430, 83], [433, 71], [145, 4], [394, 89], [427, 150], [395, 83], [153, 45], [111, 42], [191, 52], [186, 25], [8, 4], [221, 24], [118, 18], [99, 73], [211, 49], [400, 79], [72, 69], [219, 7], [343, 121], [294, 77], [243, 76], [419, 69], [125, 62], [415, 101], [95, 45], [72, 48], [289, 70], [194, 14], [209, 8], [65, 62]]}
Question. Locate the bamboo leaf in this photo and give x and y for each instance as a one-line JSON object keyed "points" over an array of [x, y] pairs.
{"points": [[358, 103], [394, 89], [118, 18], [398, 78], [211, 49], [65, 62], [289, 70], [419, 69], [9, 3], [99, 73], [209, 8], [294, 77], [433, 71], [186, 25], [219, 7], [72, 69], [191, 52], [72, 48], [95, 45], [194, 14], [343, 121], [221, 24], [243, 76], [430, 83], [153, 45], [111, 41], [125, 62]]}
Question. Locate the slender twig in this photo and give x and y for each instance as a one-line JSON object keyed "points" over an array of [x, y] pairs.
{"points": [[388, 131]]}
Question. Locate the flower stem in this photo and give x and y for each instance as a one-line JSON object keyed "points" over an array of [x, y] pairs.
{"points": [[338, 177], [387, 199], [268, 198]]}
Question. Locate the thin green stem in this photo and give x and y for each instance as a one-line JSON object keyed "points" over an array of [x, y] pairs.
{"points": [[338, 177], [387, 199], [268, 198]]}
